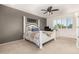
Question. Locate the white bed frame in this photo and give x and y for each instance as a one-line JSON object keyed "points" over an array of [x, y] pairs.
{"points": [[42, 37]]}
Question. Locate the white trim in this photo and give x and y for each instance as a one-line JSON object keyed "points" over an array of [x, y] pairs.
{"points": [[39, 23], [24, 25]]}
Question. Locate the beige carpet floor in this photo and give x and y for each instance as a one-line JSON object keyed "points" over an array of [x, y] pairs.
{"points": [[61, 45]]}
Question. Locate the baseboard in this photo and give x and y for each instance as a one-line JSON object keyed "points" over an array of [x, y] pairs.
{"points": [[66, 37]]}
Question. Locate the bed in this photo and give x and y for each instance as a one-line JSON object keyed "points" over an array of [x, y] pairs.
{"points": [[33, 34]]}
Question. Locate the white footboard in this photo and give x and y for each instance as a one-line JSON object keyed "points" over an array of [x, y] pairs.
{"points": [[44, 38], [40, 40]]}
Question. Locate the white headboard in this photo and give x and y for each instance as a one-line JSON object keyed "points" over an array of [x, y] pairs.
{"points": [[27, 24], [30, 26]]}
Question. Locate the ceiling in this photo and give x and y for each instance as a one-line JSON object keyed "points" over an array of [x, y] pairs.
{"points": [[36, 8]]}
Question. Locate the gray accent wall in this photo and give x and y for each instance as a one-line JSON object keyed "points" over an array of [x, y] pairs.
{"points": [[42, 24], [11, 23]]}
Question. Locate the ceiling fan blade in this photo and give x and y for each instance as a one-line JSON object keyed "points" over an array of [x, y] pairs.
{"points": [[43, 10], [55, 10]]}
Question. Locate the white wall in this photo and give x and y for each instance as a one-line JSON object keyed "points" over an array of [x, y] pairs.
{"points": [[50, 22], [71, 33]]}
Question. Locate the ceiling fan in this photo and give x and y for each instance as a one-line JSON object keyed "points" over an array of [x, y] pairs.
{"points": [[49, 10]]}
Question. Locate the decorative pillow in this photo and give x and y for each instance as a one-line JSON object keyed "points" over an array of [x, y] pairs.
{"points": [[35, 29]]}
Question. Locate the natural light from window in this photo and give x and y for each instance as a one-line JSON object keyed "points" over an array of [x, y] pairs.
{"points": [[63, 23]]}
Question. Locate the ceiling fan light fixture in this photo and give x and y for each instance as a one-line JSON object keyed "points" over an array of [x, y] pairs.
{"points": [[49, 10]]}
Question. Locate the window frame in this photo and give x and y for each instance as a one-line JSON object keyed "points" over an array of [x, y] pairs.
{"points": [[71, 22]]}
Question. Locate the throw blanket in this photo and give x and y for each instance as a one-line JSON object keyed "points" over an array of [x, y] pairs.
{"points": [[32, 34], [48, 33]]}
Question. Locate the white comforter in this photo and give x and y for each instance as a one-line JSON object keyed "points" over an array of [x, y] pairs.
{"points": [[40, 37]]}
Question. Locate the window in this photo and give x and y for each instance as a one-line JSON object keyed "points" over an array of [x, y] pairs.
{"points": [[31, 20], [57, 23], [69, 23], [54, 24], [78, 22], [63, 23]]}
